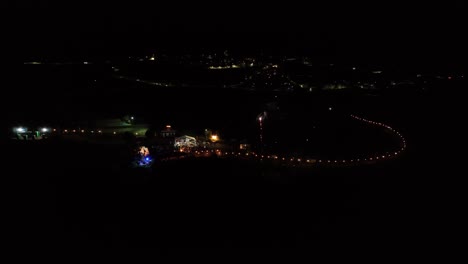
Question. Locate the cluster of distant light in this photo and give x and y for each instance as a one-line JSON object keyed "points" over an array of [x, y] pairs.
{"points": [[296, 160], [224, 67], [145, 81]]}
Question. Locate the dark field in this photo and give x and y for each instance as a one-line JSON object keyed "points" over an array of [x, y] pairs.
{"points": [[64, 194]]}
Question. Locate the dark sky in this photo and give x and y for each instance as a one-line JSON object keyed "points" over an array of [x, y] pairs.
{"points": [[429, 32]]}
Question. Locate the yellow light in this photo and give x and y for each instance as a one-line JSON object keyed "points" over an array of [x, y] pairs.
{"points": [[214, 138]]}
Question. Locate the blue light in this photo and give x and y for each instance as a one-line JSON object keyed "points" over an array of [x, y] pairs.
{"points": [[147, 159]]}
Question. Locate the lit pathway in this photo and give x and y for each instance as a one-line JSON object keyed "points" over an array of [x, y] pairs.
{"points": [[383, 155], [292, 160]]}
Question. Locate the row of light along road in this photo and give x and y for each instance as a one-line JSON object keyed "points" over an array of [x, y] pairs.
{"points": [[301, 160]]}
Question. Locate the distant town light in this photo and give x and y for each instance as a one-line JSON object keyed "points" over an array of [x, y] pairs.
{"points": [[131, 118], [214, 138], [44, 129], [20, 130]]}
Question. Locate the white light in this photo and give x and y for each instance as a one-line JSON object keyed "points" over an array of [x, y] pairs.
{"points": [[20, 130], [44, 129], [131, 117]]}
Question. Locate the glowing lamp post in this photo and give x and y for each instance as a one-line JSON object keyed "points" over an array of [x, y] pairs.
{"points": [[260, 123]]}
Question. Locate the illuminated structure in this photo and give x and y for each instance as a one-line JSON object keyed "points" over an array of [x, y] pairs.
{"points": [[143, 157], [185, 143], [23, 133], [168, 132]]}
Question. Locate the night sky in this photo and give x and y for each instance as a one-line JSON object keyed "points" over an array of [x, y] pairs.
{"points": [[421, 33]]}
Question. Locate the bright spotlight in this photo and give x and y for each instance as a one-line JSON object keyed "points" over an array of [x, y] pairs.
{"points": [[20, 130], [44, 129]]}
